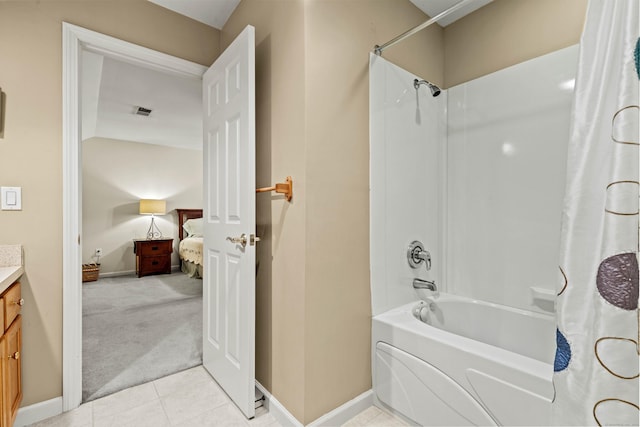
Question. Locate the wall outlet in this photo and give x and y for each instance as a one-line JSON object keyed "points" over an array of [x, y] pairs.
{"points": [[98, 251]]}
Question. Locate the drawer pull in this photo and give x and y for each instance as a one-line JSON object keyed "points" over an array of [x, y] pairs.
{"points": [[154, 263], [15, 355], [154, 248], [20, 302]]}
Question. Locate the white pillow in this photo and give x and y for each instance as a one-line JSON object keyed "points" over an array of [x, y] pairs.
{"points": [[193, 227]]}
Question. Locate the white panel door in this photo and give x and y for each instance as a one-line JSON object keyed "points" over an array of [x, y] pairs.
{"points": [[230, 213]]}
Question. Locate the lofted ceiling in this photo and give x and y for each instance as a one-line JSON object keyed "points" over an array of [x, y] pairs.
{"points": [[434, 7], [211, 12], [112, 90], [216, 12]]}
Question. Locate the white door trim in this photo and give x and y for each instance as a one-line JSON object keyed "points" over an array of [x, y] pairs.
{"points": [[74, 40]]}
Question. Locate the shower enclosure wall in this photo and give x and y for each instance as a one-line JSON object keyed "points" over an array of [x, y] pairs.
{"points": [[477, 175]]}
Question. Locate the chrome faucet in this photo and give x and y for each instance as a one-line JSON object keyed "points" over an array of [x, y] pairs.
{"points": [[416, 255], [425, 284], [423, 256]]}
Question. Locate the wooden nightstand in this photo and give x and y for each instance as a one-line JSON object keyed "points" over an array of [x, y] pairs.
{"points": [[153, 256]]}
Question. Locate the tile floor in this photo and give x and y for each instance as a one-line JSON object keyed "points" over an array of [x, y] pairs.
{"points": [[374, 417], [187, 399]]}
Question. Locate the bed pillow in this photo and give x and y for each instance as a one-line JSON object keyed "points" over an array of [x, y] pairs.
{"points": [[193, 227]]}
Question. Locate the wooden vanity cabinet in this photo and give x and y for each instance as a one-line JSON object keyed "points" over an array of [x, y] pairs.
{"points": [[10, 352]]}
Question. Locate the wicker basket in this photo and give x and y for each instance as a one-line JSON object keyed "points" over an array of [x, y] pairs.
{"points": [[90, 272]]}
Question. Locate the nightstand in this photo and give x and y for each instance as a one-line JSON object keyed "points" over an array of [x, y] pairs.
{"points": [[153, 256]]}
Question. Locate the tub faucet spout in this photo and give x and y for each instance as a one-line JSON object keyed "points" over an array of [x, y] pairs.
{"points": [[424, 284]]}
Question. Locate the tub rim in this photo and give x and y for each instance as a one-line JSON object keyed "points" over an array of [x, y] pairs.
{"points": [[402, 318]]}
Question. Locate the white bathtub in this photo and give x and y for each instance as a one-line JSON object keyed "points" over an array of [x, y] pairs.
{"points": [[471, 363]]}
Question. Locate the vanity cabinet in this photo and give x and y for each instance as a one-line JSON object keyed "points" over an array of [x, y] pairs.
{"points": [[10, 351]]}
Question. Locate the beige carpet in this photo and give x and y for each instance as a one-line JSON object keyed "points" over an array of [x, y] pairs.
{"points": [[138, 329]]}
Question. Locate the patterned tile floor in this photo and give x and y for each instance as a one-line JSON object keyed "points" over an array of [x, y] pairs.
{"points": [[187, 399]]}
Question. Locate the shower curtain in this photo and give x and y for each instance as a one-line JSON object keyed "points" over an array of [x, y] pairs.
{"points": [[596, 365]]}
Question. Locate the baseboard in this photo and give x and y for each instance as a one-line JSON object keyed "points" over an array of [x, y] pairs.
{"points": [[345, 412], [337, 417], [38, 411], [174, 268], [277, 409], [116, 274]]}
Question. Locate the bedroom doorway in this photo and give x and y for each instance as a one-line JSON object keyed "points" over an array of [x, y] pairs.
{"points": [[75, 40], [159, 315]]}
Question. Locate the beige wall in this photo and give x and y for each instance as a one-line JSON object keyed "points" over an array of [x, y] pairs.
{"points": [[31, 151], [507, 32], [110, 196], [280, 152], [339, 36], [313, 306]]}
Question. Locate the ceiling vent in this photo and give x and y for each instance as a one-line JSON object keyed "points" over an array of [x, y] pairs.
{"points": [[141, 111]]}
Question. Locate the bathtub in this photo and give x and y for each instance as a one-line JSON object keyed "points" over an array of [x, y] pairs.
{"points": [[457, 361]]}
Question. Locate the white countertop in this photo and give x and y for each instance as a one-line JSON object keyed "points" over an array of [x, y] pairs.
{"points": [[11, 265], [8, 275]]}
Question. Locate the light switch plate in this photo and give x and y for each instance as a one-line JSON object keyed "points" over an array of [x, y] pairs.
{"points": [[11, 198]]}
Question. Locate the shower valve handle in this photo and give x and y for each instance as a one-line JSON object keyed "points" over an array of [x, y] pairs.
{"points": [[423, 256], [416, 255]]}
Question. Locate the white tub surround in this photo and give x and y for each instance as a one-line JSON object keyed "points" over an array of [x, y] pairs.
{"points": [[470, 363], [476, 174], [11, 265], [506, 160], [408, 130]]}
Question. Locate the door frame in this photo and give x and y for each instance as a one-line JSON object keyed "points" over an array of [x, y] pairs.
{"points": [[74, 40]]}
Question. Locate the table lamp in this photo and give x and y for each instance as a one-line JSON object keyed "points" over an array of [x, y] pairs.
{"points": [[153, 207]]}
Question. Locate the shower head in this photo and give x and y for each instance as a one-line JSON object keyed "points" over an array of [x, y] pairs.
{"points": [[435, 90]]}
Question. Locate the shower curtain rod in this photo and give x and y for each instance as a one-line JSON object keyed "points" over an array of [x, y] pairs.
{"points": [[379, 48]]}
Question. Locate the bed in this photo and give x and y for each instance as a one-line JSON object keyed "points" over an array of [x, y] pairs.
{"points": [[190, 246]]}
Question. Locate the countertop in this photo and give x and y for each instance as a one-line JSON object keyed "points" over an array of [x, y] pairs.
{"points": [[8, 275], [11, 265]]}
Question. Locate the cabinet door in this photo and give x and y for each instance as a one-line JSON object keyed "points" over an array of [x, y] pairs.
{"points": [[12, 301], [11, 343]]}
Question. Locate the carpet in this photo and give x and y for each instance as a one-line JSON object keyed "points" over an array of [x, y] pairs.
{"points": [[136, 330]]}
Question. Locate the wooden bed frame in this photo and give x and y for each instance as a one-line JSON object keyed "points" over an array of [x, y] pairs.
{"points": [[183, 216]]}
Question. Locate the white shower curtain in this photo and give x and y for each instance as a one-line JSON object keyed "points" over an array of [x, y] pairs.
{"points": [[596, 365]]}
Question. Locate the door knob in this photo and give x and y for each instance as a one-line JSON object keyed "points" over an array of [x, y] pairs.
{"points": [[253, 239], [242, 240]]}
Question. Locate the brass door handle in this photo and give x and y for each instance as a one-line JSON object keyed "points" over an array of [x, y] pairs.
{"points": [[242, 240], [15, 355]]}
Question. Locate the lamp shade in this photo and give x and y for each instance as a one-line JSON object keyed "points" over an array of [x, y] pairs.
{"points": [[153, 207]]}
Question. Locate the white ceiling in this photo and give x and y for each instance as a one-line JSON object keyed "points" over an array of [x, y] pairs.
{"points": [[211, 12], [216, 12], [112, 90], [434, 7]]}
